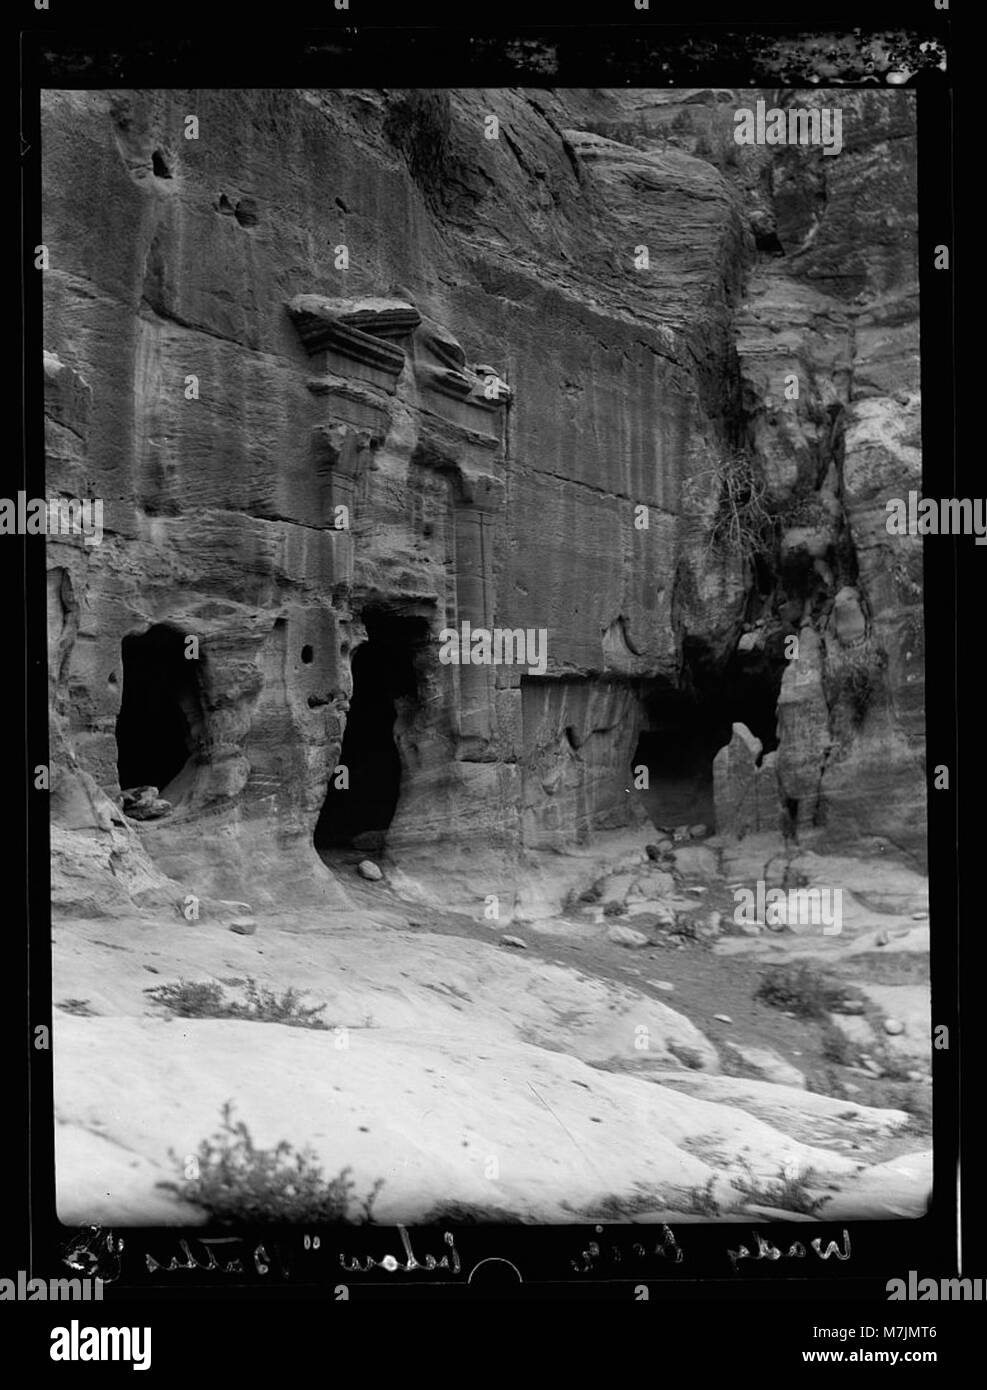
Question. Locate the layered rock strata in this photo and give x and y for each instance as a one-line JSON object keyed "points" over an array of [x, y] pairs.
{"points": [[268, 353]]}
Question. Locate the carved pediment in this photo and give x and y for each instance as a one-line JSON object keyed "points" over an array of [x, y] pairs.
{"points": [[343, 326]]}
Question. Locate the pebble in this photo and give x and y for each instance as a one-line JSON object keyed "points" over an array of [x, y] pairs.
{"points": [[920, 916], [893, 1026], [368, 869], [666, 985], [514, 941], [697, 832], [243, 927], [881, 939], [723, 1018]]}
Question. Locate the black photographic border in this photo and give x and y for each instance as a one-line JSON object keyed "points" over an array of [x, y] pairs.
{"points": [[552, 1260]]}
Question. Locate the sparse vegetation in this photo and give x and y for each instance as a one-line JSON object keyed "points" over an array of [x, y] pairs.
{"points": [[207, 999], [621, 1206], [79, 1007], [587, 898], [907, 576], [856, 675], [470, 1214], [688, 1056], [917, 1103], [790, 1192], [808, 511], [701, 1201], [191, 999], [235, 1181], [836, 1047], [703, 149], [741, 523], [802, 989], [893, 1068], [825, 1081]]}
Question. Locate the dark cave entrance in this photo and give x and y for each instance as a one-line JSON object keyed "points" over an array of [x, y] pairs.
{"points": [[160, 721], [686, 726], [385, 677]]}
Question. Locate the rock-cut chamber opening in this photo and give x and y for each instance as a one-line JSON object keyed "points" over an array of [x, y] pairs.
{"points": [[160, 720], [361, 801], [686, 726]]}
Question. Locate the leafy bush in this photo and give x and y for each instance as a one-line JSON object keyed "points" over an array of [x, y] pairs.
{"points": [[234, 1181], [191, 999], [207, 999], [789, 1193], [802, 989]]}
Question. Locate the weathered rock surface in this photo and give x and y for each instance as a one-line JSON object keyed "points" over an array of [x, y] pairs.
{"points": [[285, 448], [626, 936], [439, 1052], [491, 410], [766, 1065]]}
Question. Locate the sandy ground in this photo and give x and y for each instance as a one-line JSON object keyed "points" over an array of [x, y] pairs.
{"points": [[568, 1078]]}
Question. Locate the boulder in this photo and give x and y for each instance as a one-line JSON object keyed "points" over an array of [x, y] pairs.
{"points": [[627, 936], [734, 773], [154, 810], [697, 861], [144, 803], [766, 1064], [848, 618], [653, 917]]}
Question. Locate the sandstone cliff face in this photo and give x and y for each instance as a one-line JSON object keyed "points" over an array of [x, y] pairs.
{"points": [[468, 414]]}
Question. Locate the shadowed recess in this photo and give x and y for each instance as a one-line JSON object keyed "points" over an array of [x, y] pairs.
{"points": [[161, 711], [383, 677], [686, 727]]}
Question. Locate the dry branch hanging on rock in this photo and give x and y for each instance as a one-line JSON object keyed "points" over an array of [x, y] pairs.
{"points": [[726, 498]]}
